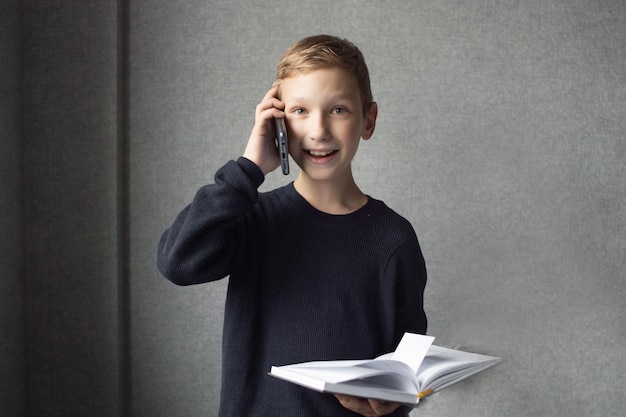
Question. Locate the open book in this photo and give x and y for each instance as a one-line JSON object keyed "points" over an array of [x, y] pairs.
{"points": [[416, 369]]}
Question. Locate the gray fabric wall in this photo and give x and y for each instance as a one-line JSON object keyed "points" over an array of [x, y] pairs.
{"points": [[500, 137]]}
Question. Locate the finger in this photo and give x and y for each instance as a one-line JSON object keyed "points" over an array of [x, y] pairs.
{"points": [[358, 405], [383, 407], [263, 123], [272, 97], [272, 92], [269, 108]]}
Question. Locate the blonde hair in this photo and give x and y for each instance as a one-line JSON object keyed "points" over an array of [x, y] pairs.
{"points": [[325, 51]]}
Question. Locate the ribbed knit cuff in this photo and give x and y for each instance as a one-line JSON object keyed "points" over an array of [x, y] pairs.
{"points": [[252, 171]]}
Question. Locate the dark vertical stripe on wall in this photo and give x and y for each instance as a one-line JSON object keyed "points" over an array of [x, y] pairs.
{"points": [[123, 207], [22, 204], [70, 212], [12, 341]]}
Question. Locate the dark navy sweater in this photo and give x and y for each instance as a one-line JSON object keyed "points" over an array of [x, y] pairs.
{"points": [[303, 285]]}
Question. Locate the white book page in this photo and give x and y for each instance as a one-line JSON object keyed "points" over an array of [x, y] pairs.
{"points": [[447, 365], [334, 374], [412, 349]]}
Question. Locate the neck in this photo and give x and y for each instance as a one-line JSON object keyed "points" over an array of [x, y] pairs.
{"points": [[331, 196]]}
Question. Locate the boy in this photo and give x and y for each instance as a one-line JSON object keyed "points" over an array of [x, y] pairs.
{"points": [[318, 269]]}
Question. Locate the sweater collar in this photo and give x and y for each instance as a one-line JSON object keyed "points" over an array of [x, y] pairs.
{"points": [[311, 213]]}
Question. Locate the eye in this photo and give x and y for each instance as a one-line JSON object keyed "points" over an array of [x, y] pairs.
{"points": [[299, 110], [339, 110]]}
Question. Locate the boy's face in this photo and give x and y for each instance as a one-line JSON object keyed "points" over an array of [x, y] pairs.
{"points": [[325, 121]]}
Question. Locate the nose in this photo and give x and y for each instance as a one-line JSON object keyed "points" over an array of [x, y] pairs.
{"points": [[318, 127]]}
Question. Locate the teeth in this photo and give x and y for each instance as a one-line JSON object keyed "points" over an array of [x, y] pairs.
{"points": [[320, 153]]}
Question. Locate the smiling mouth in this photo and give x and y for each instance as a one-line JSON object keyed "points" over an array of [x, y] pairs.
{"points": [[320, 153]]}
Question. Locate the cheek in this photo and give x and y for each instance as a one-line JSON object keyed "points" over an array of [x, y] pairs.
{"points": [[350, 131], [296, 130], [294, 136]]}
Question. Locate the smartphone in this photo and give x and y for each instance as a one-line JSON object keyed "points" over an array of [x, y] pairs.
{"points": [[281, 144]]}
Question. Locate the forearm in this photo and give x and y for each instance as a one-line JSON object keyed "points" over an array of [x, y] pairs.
{"points": [[200, 244]]}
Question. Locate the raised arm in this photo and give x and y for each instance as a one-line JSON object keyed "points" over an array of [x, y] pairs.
{"points": [[200, 244], [203, 240]]}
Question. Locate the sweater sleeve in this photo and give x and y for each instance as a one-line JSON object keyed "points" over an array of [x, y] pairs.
{"points": [[202, 242], [407, 269]]}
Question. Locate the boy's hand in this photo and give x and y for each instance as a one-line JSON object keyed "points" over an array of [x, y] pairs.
{"points": [[368, 408], [261, 148]]}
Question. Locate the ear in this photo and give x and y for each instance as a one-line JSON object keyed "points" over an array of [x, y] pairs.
{"points": [[370, 122]]}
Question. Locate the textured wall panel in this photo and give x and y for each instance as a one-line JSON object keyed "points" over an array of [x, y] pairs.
{"points": [[70, 211], [12, 375]]}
